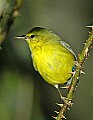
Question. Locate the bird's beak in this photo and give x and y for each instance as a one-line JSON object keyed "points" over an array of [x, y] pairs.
{"points": [[21, 37]]}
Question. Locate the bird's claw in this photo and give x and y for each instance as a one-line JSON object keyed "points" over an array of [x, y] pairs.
{"points": [[65, 87]]}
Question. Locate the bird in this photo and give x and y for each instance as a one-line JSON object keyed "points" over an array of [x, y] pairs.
{"points": [[52, 57]]}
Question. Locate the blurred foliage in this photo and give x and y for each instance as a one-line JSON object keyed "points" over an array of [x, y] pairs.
{"points": [[23, 93], [16, 96], [8, 14]]}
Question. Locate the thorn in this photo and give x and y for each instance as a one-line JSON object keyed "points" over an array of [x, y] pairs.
{"points": [[82, 72], [84, 43], [89, 32], [16, 13], [90, 26], [78, 78], [70, 103], [77, 64], [61, 105], [87, 58], [86, 52], [56, 112], [54, 117], [89, 35], [86, 40], [62, 116], [67, 100], [68, 108]]}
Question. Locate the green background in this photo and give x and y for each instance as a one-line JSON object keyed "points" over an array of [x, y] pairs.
{"points": [[23, 93]]}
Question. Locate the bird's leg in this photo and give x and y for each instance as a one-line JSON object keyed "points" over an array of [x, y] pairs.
{"points": [[63, 98], [56, 86]]}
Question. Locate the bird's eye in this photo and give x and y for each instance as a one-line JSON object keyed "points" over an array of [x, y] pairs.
{"points": [[32, 36]]}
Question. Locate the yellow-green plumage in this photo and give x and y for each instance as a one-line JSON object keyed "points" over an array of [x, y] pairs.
{"points": [[52, 58], [55, 66]]}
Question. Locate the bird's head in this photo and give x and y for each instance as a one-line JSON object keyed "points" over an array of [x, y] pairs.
{"points": [[38, 36]]}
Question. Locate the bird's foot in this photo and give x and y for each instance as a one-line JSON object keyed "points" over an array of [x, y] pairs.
{"points": [[65, 87]]}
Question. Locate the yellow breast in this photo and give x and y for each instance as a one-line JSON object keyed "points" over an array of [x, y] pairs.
{"points": [[54, 62]]}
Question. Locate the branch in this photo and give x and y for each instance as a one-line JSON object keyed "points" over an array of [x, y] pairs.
{"points": [[79, 65], [7, 18]]}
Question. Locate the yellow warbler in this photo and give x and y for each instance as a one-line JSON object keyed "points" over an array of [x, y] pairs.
{"points": [[52, 57]]}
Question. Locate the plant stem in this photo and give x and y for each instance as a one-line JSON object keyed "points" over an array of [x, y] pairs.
{"points": [[79, 65], [7, 18]]}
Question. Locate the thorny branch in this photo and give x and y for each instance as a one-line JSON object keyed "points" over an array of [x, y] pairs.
{"points": [[79, 65]]}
